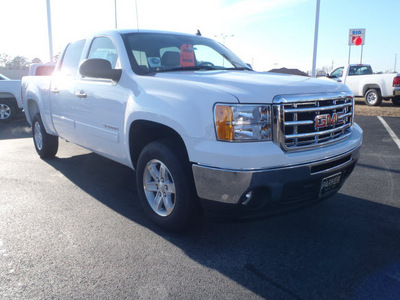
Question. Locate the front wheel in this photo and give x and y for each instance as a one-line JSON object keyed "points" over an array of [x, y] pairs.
{"points": [[373, 97], [46, 145], [165, 189], [396, 101]]}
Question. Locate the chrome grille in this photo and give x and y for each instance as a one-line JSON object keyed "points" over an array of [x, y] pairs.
{"points": [[308, 121]]}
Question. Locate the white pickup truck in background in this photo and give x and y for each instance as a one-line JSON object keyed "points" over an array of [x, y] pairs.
{"points": [[362, 81], [10, 98], [199, 127]]}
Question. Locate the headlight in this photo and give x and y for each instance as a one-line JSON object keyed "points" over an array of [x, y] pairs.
{"points": [[243, 122]]}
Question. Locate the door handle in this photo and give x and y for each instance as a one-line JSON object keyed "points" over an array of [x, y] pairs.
{"points": [[81, 94], [55, 90]]}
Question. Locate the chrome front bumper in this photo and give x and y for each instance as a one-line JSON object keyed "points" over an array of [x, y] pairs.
{"points": [[286, 184]]}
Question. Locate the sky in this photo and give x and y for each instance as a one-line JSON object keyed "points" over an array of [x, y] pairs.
{"points": [[265, 33]]}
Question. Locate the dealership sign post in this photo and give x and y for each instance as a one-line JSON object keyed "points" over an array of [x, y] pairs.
{"points": [[357, 38]]}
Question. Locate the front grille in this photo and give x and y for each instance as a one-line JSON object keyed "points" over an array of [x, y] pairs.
{"points": [[308, 121]]}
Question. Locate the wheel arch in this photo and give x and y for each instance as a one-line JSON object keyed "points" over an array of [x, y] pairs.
{"points": [[371, 86], [143, 132], [33, 109]]}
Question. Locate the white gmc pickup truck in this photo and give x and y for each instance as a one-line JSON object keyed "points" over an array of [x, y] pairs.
{"points": [[362, 81], [199, 127]]}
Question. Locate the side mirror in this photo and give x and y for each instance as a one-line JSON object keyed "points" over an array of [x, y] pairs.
{"points": [[99, 68]]}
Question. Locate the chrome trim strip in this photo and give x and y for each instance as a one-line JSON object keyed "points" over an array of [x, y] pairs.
{"points": [[296, 123], [317, 133], [311, 109], [287, 99]]}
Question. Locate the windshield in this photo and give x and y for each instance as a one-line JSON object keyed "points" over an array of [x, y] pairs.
{"points": [[160, 52]]}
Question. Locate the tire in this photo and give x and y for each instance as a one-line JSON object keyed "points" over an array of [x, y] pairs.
{"points": [[46, 145], [396, 101], [165, 187], [373, 97], [8, 109]]}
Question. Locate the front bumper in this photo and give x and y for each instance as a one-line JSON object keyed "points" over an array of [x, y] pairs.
{"points": [[289, 185]]}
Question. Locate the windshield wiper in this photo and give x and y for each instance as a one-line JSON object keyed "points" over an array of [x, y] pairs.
{"points": [[193, 68], [239, 68]]}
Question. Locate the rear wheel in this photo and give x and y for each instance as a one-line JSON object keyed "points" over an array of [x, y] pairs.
{"points": [[373, 97], [46, 145], [165, 188], [396, 101], [8, 109]]}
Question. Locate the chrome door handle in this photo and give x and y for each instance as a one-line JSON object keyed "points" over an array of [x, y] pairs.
{"points": [[81, 94], [55, 90]]}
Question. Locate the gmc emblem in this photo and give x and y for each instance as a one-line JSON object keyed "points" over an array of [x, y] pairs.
{"points": [[322, 121]]}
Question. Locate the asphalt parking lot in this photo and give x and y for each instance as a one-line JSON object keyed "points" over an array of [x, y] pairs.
{"points": [[72, 227]]}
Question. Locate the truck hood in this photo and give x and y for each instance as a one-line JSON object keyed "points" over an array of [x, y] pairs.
{"points": [[256, 87]]}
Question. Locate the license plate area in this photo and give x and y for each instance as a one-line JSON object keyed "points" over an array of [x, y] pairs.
{"points": [[330, 184], [397, 92]]}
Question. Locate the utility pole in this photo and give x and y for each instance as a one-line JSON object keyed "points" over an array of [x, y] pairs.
{"points": [[395, 63], [115, 16], [49, 31], [315, 39]]}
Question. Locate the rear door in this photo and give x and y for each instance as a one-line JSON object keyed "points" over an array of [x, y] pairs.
{"points": [[64, 104]]}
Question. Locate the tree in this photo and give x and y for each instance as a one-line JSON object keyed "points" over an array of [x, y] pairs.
{"points": [[18, 63], [56, 57], [36, 60], [4, 59]]}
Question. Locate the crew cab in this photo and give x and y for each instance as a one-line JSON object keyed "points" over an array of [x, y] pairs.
{"points": [[201, 129], [362, 81]]}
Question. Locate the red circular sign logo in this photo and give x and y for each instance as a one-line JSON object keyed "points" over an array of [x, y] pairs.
{"points": [[358, 41]]}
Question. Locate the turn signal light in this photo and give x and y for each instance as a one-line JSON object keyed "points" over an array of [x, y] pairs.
{"points": [[224, 118]]}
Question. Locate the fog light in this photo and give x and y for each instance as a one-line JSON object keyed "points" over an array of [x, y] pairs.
{"points": [[248, 198]]}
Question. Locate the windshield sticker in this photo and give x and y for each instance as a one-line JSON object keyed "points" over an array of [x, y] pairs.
{"points": [[187, 56], [154, 62]]}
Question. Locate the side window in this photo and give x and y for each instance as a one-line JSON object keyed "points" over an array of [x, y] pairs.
{"points": [[72, 57], [365, 71], [337, 73], [103, 47], [353, 71]]}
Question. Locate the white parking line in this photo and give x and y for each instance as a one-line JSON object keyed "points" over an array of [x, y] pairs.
{"points": [[391, 132]]}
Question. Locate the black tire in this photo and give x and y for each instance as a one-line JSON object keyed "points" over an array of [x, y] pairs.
{"points": [[396, 101], [373, 97], [8, 110], [165, 187], [46, 145]]}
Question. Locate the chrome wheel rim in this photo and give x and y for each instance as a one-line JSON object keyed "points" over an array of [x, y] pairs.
{"points": [[159, 188], [37, 135], [5, 111], [371, 98]]}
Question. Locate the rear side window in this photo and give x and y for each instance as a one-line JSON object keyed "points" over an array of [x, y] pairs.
{"points": [[72, 57]]}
